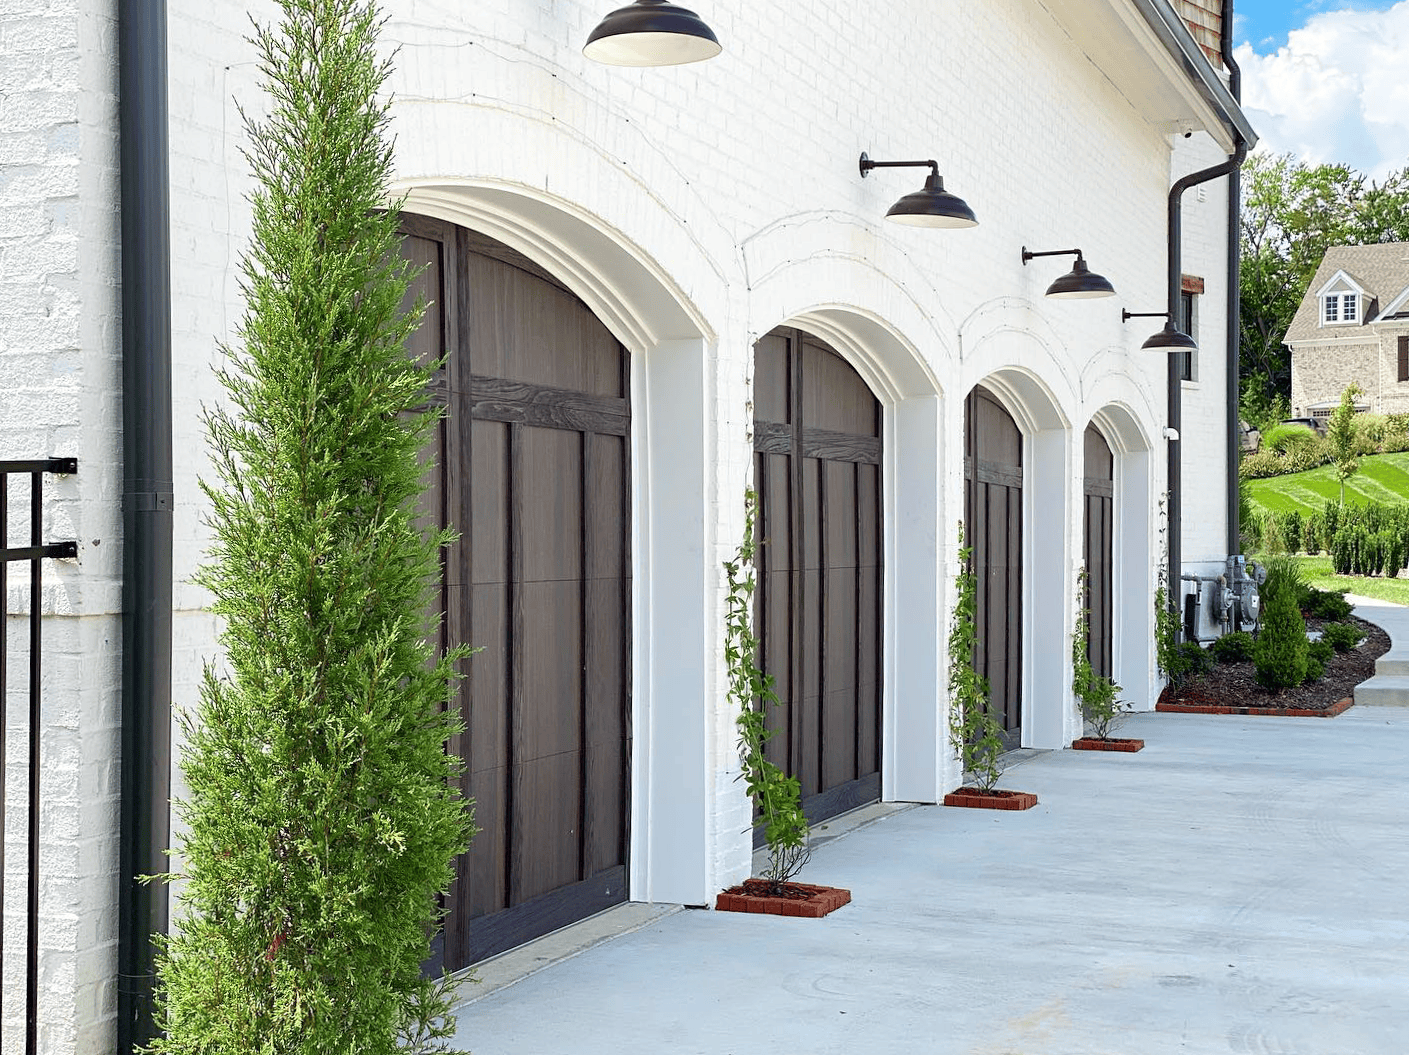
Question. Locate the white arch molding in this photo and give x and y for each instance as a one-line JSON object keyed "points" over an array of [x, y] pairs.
{"points": [[1132, 556], [672, 522], [882, 331]]}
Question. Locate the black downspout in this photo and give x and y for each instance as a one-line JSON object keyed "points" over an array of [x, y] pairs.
{"points": [[1175, 401], [1235, 308], [146, 510]]}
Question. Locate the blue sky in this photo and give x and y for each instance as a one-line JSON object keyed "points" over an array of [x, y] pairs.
{"points": [[1327, 80], [1265, 23]]}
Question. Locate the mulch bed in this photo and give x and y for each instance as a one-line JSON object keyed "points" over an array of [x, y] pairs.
{"points": [[1233, 686]]}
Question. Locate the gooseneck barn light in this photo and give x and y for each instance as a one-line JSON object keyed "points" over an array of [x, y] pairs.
{"points": [[931, 205], [651, 33], [1169, 339], [1080, 283]]}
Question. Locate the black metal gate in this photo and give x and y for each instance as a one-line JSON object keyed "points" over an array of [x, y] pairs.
{"points": [[35, 553]]}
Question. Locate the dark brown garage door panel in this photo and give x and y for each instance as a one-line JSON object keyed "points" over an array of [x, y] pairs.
{"points": [[993, 473], [537, 474], [817, 470], [1099, 496]]}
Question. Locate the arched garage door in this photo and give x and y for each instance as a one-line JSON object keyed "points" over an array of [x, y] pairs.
{"points": [[817, 443], [993, 514], [534, 472], [1099, 494]]}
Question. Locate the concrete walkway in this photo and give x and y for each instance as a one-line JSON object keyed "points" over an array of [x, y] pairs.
{"points": [[1390, 685], [1241, 885]]}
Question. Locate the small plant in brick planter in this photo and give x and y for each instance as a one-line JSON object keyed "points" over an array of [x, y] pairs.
{"points": [[1102, 709], [775, 795], [974, 731]]}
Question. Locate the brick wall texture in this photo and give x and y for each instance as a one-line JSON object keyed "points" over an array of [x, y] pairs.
{"points": [[702, 204]]}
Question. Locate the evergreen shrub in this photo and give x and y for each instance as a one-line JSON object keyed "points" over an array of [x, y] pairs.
{"points": [[323, 813], [1341, 636], [1234, 647], [1280, 652]]}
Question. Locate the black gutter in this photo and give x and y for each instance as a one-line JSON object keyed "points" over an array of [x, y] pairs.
{"points": [[1235, 307], [1173, 474], [146, 510]]}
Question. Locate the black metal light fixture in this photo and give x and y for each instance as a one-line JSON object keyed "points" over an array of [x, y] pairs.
{"points": [[651, 33], [1080, 283], [1169, 339], [931, 205]]}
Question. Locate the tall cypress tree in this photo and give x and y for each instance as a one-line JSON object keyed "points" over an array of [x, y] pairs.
{"points": [[322, 816]]}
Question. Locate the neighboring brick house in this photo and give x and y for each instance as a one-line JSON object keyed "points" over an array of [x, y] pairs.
{"points": [[1353, 326], [692, 253]]}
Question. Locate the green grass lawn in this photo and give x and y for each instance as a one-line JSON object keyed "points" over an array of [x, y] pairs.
{"points": [[1317, 572], [1382, 478]]}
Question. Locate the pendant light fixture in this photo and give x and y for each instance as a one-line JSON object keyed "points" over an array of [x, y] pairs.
{"points": [[1080, 283], [651, 33], [931, 205], [1169, 339]]}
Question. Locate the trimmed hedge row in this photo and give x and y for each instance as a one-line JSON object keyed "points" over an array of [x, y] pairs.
{"points": [[1372, 539]]}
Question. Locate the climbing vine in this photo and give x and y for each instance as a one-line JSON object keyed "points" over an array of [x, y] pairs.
{"points": [[776, 796]]}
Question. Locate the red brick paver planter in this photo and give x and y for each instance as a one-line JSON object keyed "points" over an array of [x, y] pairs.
{"points": [[1280, 712], [1115, 743], [806, 900], [991, 800]]}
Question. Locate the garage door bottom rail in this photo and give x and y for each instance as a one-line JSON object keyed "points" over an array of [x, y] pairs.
{"points": [[502, 931]]}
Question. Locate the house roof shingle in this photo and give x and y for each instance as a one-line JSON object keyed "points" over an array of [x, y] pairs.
{"points": [[1381, 270]]}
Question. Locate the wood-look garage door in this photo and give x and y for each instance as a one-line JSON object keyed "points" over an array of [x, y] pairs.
{"points": [[993, 515], [534, 472], [817, 443], [1099, 490]]}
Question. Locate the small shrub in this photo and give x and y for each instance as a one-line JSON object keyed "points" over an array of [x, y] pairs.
{"points": [[1286, 436], [1320, 650], [1325, 604], [1315, 670], [1280, 652], [1232, 648], [1341, 637], [1190, 660], [1272, 533], [1312, 534], [1261, 465], [1395, 558], [1291, 531], [1371, 430]]}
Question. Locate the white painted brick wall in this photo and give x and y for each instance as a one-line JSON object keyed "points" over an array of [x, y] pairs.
{"points": [[59, 356], [693, 165]]}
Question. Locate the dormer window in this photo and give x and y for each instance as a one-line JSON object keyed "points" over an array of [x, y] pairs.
{"points": [[1340, 308]]}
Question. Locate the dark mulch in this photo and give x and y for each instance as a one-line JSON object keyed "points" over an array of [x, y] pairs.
{"points": [[1235, 684], [762, 888]]}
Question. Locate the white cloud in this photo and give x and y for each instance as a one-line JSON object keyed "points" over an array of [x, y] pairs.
{"points": [[1337, 91]]}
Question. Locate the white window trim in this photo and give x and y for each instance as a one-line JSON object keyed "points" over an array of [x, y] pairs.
{"points": [[1341, 301]]}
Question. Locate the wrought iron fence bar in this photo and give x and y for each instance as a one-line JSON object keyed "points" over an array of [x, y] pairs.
{"points": [[35, 553], [36, 586], [52, 549], [40, 465], [4, 690]]}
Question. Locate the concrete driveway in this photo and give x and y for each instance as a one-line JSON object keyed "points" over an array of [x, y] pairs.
{"points": [[1241, 885]]}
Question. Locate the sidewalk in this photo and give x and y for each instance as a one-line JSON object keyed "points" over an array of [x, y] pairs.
{"points": [[1238, 886]]}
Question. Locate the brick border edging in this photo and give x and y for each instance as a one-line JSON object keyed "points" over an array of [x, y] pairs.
{"points": [[1009, 800], [1115, 743], [824, 899], [1339, 707]]}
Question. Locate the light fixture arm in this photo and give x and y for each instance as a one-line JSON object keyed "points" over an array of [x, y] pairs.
{"points": [[867, 165], [1126, 315], [1028, 254]]}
